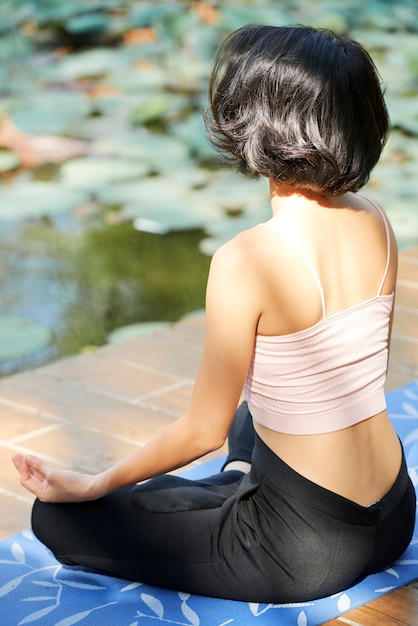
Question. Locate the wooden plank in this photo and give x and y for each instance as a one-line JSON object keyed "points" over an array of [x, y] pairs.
{"points": [[399, 608]]}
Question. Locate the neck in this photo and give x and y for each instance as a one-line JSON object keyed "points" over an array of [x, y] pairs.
{"points": [[284, 197]]}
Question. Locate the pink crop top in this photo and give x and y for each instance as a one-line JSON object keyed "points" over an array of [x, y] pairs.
{"points": [[326, 377]]}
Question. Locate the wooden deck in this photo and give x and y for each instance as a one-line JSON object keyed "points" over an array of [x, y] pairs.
{"points": [[88, 411]]}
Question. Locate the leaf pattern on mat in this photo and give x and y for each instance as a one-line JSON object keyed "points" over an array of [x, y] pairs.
{"points": [[11, 585], [77, 617], [76, 585], [153, 603], [343, 603], [410, 410], [392, 571], [18, 552], [37, 615], [38, 599], [131, 586], [189, 614]]}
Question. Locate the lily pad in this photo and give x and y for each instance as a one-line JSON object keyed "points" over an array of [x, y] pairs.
{"points": [[404, 114], [36, 199], [95, 62], [236, 14], [136, 79], [168, 201], [56, 11], [149, 190], [135, 330], [148, 13], [88, 23], [92, 172], [51, 112], [157, 107], [20, 336], [158, 152], [193, 133], [184, 211], [8, 161]]}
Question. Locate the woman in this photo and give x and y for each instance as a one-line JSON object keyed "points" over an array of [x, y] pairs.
{"points": [[299, 311]]}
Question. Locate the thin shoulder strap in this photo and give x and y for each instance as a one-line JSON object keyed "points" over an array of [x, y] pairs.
{"points": [[385, 222], [307, 261]]}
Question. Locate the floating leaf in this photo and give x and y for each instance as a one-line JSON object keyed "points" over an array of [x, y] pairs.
{"points": [[158, 152], [8, 160], [52, 149], [151, 226], [148, 13], [155, 107], [139, 79], [54, 11], [37, 199], [19, 337], [135, 330], [95, 62], [234, 15], [171, 203], [87, 23], [193, 133], [92, 172], [52, 112]]}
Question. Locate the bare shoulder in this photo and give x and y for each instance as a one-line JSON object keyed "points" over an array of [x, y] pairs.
{"points": [[377, 213], [240, 250], [247, 248], [242, 262]]}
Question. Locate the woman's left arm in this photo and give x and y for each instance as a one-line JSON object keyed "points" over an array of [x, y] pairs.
{"points": [[232, 315]]}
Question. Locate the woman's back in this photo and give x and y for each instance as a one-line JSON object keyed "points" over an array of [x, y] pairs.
{"points": [[325, 266]]}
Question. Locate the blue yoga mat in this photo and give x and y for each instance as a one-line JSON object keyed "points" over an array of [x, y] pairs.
{"points": [[36, 589]]}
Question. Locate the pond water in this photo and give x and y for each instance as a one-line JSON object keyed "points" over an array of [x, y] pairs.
{"points": [[65, 289], [111, 200]]}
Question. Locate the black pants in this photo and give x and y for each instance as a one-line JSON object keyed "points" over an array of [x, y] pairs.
{"points": [[268, 536]]}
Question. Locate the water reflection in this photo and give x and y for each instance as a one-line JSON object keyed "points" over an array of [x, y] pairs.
{"points": [[83, 284]]}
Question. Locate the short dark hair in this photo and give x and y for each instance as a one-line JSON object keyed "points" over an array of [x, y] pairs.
{"points": [[301, 105]]}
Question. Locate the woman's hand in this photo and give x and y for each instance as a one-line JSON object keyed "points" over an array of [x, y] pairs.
{"points": [[54, 485]]}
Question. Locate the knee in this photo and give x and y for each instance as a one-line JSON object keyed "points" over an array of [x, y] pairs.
{"points": [[40, 521]]}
